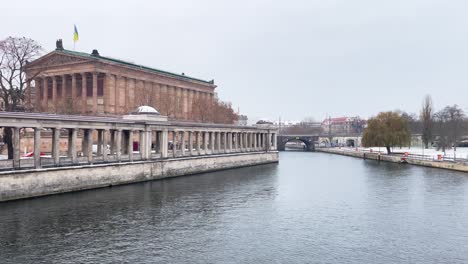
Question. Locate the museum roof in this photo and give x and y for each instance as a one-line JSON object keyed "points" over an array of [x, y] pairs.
{"points": [[133, 65]]}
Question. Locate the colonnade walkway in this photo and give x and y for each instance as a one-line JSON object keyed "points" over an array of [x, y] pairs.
{"points": [[41, 140]]}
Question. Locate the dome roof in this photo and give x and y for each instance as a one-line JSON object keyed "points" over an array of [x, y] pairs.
{"points": [[264, 121], [145, 110]]}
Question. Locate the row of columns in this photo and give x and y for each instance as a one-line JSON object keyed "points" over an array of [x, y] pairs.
{"points": [[159, 143], [214, 142], [43, 99], [184, 103]]}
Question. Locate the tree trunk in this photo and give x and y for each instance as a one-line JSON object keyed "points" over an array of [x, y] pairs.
{"points": [[8, 140], [389, 151]]}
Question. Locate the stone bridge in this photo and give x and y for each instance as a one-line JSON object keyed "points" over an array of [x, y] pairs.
{"points": [[308, 140]]}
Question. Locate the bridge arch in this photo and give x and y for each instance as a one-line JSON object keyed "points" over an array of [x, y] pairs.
{"points": [[309, 141]]}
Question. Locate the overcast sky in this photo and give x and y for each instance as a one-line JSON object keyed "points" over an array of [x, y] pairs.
{"points": [[293, 59]]}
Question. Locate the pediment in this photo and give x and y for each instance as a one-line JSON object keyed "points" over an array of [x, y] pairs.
{"points": [[54, 59]]}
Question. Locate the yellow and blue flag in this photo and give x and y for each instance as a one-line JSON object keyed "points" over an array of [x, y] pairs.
{"points": [[75, 35]]}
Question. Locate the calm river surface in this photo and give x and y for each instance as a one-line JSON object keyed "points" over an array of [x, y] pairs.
{"points": [[310, 208]]}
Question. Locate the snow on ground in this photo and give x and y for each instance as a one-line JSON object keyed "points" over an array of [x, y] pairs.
{"points": [[460, 153]]}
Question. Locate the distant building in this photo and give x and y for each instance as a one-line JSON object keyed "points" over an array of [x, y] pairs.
{"points": [[343, 125], [242, 121]]}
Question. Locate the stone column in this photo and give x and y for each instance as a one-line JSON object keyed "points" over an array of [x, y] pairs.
{"points": [[164, 143], [205, 142], [130, 145], [64, 88], [16, 147], [246, 141], [99, 143], [224, 142], [95, 80], [112, 142], [141, 144], [190, 143], [73, 88], [212, 142], [274, 146], [127, 93], [45, 93], [260, 141], [229, 141], [104, 133], [118, 144], [189, 105], [37, 147], [56, 145], [233, 142], [38, 83], [84, 93], [118, 83], [54, 92], [72, 145], [185, 103], [197, 140], [174, 144], [268, 145], [255, 141], [28, 92], [218, 142], [90, 146], [242, 142], [106, 94], [182, 143]]}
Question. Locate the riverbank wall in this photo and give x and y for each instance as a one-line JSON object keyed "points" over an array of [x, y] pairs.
{"points": [[39, 182], [456, 166]]}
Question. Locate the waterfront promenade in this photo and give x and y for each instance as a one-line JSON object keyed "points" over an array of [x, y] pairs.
{"points": [[398, 157]]}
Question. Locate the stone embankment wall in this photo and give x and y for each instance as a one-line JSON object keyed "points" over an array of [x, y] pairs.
{"points": [[398, 159], [32, 183]]}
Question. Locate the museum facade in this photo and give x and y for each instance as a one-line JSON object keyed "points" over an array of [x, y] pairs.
{"points": [[72, 82]]}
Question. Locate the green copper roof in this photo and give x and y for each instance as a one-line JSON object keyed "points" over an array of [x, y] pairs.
{"points": [[136, 66]]}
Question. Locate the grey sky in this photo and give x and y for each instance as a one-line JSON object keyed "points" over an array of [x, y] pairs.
{"points": [[276, 58]]}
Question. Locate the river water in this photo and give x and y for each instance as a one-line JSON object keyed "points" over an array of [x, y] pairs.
{"points": [[310, 208]]}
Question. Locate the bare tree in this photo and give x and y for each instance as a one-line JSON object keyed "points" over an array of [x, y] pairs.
{"points": [[15, 53], [456, 117], [201, 109], [222, 112], [441, 120], [426, 117], [449, 126]]}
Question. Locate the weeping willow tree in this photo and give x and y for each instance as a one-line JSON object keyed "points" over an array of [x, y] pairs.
{"points": [[387, 129]]}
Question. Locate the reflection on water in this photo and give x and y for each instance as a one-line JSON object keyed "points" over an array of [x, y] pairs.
{"points": [[311, 208]]}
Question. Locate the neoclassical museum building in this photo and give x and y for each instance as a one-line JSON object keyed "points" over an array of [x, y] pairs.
{"points": [[74, 82]]}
